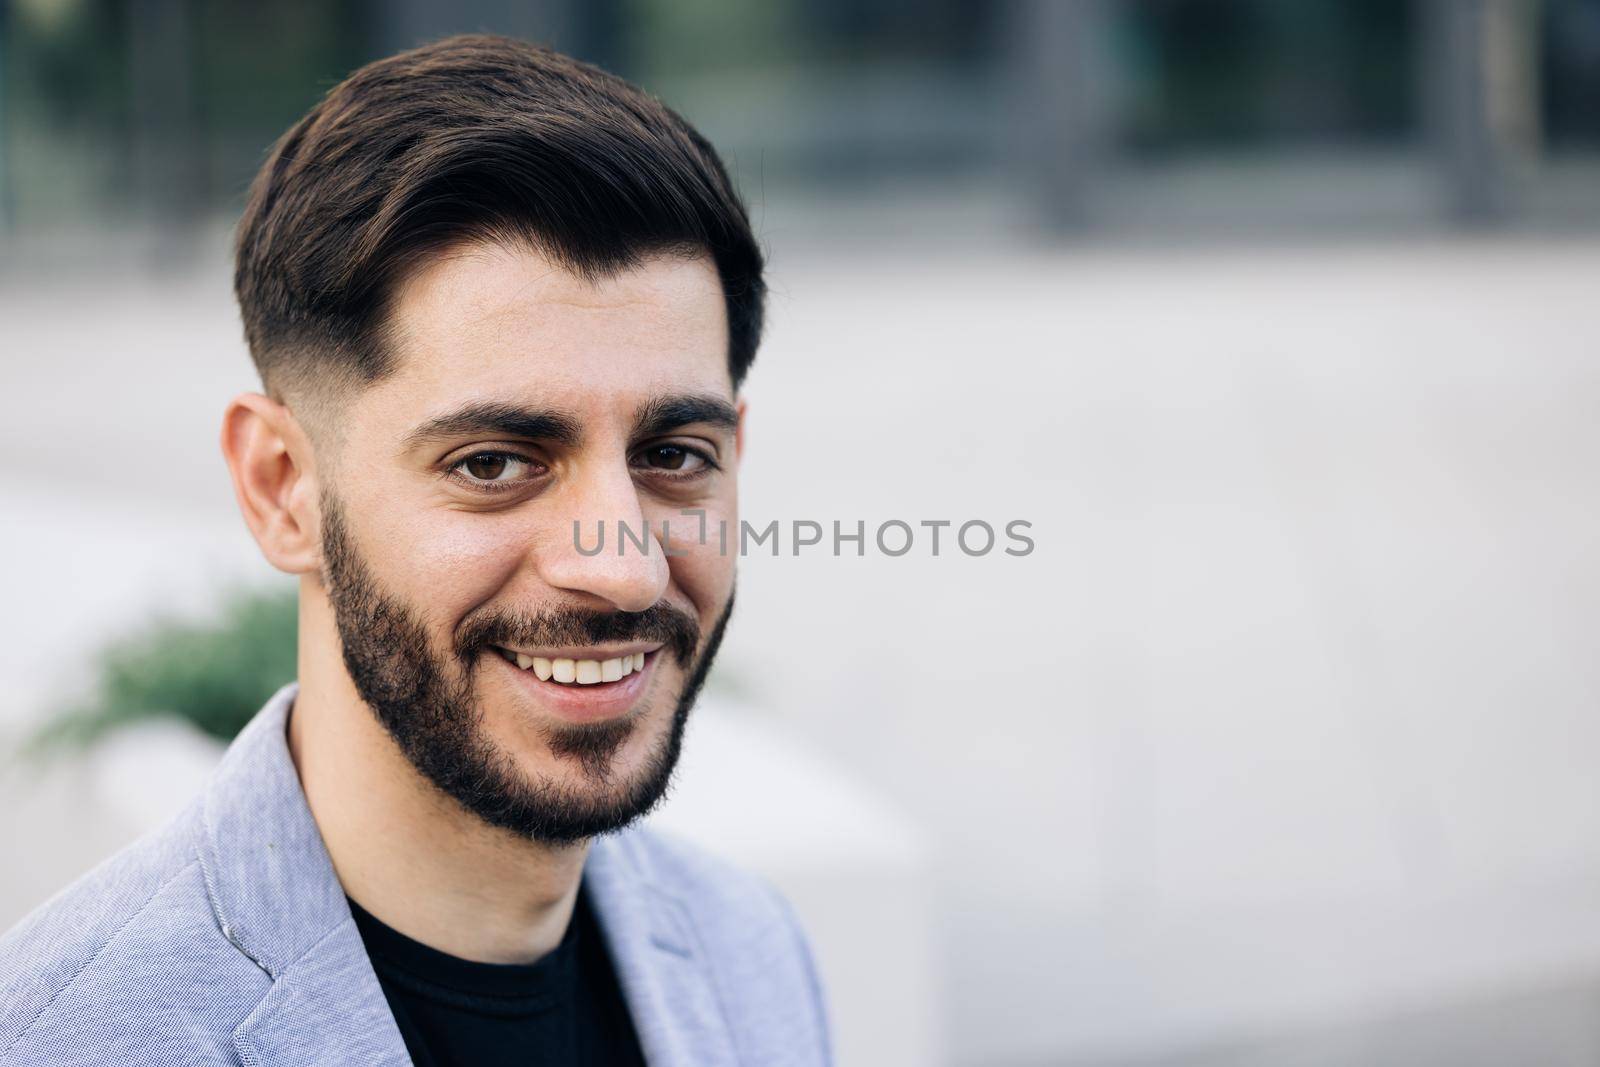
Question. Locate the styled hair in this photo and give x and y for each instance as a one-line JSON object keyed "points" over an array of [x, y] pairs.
{"points": [[472, 138]]}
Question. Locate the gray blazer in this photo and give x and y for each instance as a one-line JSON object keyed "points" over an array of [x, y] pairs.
{"points": [[226, 939]]}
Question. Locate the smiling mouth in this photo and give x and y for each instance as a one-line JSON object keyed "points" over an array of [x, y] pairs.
{"points": [[576, 671]]}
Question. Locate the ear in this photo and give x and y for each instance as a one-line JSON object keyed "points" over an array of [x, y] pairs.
{"points": [[274, 478], [738, 434]]}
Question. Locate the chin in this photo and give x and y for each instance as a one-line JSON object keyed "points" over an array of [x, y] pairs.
{"points": [[602, 758]]}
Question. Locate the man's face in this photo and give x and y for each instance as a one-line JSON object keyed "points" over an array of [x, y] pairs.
{"points": [[526, 399]]}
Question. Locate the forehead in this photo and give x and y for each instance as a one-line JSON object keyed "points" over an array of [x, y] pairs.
{"points": [[490, 322]]}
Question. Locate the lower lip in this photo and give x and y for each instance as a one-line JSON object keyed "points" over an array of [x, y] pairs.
{"points": [[583, 703]]}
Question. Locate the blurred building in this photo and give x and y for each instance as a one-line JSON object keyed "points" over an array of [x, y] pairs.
{"points": [[1030, 117]]}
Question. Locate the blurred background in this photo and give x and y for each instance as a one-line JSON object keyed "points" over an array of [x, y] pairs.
{"points": [[1276, 318]]}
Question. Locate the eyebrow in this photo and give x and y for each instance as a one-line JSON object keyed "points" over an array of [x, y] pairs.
{"points": [[666, 413], [507, 420]]}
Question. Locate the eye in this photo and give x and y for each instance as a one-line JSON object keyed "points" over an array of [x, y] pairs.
{"points": [[677, 459], [494, 469]]}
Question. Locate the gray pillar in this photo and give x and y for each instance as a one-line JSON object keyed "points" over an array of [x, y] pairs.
{"points": [[169, 158], [1482, 107], [1058, 128]]}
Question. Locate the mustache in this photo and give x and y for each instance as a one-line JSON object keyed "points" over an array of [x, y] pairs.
{"points": [[675, 628]]}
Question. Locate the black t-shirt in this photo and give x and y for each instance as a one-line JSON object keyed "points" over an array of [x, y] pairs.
{"points": [[565, 1008]]}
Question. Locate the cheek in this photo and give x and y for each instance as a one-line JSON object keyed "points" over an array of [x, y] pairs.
{"points": [[449, 563], [704, 571]]}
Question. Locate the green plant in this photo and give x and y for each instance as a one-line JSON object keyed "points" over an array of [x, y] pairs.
{"points": [[215, 674]]}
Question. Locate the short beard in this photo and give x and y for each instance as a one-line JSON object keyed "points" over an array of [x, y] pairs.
{"points": [[437, 720]]}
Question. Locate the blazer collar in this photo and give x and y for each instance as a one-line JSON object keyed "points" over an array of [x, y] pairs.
{"points": [[660, 961], [277, 899]]}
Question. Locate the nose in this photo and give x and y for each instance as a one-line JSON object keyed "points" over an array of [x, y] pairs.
{"points": [[605, 548]]}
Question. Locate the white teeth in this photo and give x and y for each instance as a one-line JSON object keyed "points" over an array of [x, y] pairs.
{"points": [[577, 671]]}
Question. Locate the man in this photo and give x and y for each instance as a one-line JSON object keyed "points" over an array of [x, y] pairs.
{"points": [[496, 297]]}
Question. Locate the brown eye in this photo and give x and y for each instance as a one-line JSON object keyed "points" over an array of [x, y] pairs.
{"points": [[496, 469], [486, 467], [674, 458], [667, 458]]}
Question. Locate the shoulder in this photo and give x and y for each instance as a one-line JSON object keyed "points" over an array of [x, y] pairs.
{"points": [[749, 934], [128, 956]]}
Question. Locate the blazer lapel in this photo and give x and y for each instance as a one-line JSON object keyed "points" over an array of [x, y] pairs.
{"points": [[325, 1009], [277, 899], [660, 964]]}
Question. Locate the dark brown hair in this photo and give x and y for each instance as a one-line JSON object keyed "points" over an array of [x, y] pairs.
{"points": [[472, 138]]}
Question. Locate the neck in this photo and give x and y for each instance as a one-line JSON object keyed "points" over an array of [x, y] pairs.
{"points": [[411, 856]]}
